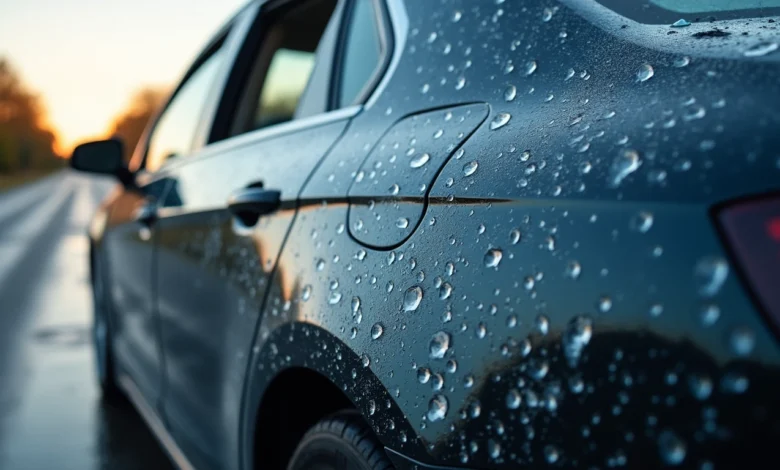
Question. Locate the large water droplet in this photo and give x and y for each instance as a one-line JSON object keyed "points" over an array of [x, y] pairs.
{"points": [[306, 292], [513, 399], [510, 93], [530, 67], [334, 298], [577, 336], [394, 189], [320, 264], [437, 408], [761, 49], [419, 160], [642, 222], [402, 222], [500, 121], [412, 298], [645, 73], [625, 164], [445, 291], [671, 448], [514, 236], [423, 375], [377, 330], [710, 274], [440, 344], [470, 168], [493, 257]]}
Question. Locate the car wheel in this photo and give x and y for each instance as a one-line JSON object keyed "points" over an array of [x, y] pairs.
{"points": [[101, 337], [341, 442]]}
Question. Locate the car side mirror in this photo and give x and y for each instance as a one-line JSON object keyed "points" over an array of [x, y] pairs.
{"points": [[103, 157]]}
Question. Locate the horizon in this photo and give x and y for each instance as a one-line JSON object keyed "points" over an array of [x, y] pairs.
{"points": [[87, 79]]}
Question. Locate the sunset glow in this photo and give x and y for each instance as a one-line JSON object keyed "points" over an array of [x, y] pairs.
{"points": [[87, 57]]}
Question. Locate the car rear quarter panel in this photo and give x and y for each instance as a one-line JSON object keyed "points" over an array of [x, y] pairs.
{"points": [[568, 258]]}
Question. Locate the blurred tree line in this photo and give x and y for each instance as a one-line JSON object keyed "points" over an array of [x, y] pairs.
{"points": [[26, 143], [130, 123]]}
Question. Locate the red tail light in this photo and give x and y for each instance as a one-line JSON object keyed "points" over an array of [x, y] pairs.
{"points": [[753, 232]]}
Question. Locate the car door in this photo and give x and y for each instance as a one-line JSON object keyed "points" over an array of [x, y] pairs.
{"points": [[130, 235], [230, 205]]}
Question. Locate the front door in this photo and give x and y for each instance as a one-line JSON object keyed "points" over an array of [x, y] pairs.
{"points": [[227, 214]]}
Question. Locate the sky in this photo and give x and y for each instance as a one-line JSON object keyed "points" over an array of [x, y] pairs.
{"points": [[86, 57]]}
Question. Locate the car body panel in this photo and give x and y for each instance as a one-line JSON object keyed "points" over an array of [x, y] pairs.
{"points": [[565, 298], [213, 272]]}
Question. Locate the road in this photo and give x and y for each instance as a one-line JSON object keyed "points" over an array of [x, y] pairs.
{"points": [[51, 415]]}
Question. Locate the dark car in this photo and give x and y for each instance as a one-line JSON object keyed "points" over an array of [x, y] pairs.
{"points": [[454, 234]]}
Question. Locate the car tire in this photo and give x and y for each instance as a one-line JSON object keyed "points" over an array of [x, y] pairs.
{"points": [[341, 442], [102, 345]]}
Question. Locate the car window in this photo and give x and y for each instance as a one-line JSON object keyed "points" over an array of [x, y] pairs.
{"points": [[174, 131], [283, 63], [669, 11], [362, 51]]}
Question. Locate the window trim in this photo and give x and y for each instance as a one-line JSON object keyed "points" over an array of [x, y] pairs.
{"points": [[386, 45]]}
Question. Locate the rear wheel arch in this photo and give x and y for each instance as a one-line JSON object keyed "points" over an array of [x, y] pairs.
{"points": [[306, 369]]}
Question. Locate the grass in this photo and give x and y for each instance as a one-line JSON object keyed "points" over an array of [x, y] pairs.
{"points": [[12, 180]]}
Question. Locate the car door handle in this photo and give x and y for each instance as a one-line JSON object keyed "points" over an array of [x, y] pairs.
{"points": [[248, 204]]}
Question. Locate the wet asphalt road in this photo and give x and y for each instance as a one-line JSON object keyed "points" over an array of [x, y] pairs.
{"points": [[51, 415]]}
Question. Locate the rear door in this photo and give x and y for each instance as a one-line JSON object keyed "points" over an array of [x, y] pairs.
{"points": [[230, 205]]}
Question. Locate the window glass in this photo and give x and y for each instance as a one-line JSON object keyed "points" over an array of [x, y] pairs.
{"points": [[694, 6], [174, 132], [362, 51], [669, 11], [285, 82]]}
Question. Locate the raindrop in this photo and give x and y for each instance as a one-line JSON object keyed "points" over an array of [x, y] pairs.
{"points": [[510, 93], [494, 449], [671, 447], [513, 399], [734, 382], [547, 14], [645, 73], [306, 292], [625, 164], [578, 334], [468, 381], [542, 324], [605, 304], [377, 330], [425, 88], [366, 360], [500, 121], [445, 291], [656, 310], [742, 340], [419, 160], [470, 168], [394, 189], [437, 382], [452, 366], [511, 321], [514, 236], [402, 222], [530, 67], [355, 305], [761, 49], [551, 454], [423, 375], [529, 282], [481, 330], [573, 269], [432, 37], [701, 386], [493, 257], [456, 16], [642, 222], [334, 298], [412, 298], [437, 408], [681, 62], [709, 314], [460, 83], [320, 264], [681, 23], [439, 345], [710, 274]]}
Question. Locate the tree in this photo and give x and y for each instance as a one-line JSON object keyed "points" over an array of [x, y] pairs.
{"points": [[25, 141], [130, 123]]}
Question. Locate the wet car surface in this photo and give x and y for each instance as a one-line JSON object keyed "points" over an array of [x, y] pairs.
{"points": [[51, 414], [510, 253]]}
